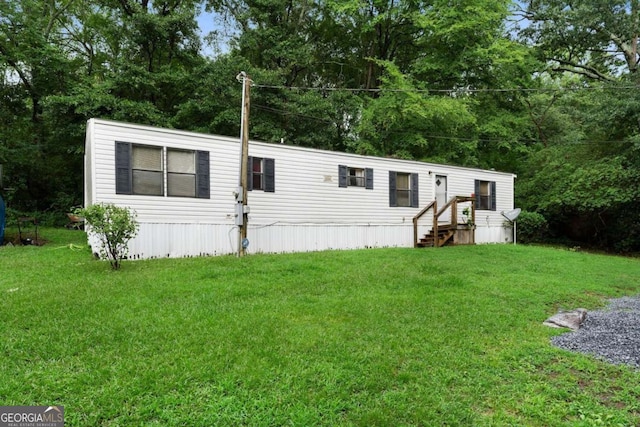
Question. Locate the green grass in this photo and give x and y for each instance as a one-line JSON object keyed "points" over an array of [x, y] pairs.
{"points": [[448, 336]]}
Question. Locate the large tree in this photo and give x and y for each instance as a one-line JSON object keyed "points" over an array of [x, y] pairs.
{"points": [[406, 121], [594, 38], [408, 70], [438, 80], [35, 63], [585, 179], [64, 61]]}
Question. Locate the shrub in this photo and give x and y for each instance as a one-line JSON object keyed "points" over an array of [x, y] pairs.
{"points": [[532, 227], [114, 226]]}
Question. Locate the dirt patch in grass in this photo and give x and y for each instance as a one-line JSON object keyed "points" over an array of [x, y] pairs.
{"points": [[28, 239]]}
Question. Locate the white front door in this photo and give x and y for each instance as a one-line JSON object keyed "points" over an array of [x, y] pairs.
{"points": [[442, 198], [441, 190]]}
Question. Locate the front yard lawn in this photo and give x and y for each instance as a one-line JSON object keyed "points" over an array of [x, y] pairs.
{"points": [[448, 336]]}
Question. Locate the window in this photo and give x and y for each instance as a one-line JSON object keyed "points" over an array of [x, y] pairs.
{"points": [[257, 176], [485, 195], [403, 189], [147, 170], [261, 174], [143, 169], [181, 173], [355, 177]]}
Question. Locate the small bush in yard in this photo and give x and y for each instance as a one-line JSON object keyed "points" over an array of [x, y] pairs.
{"points": [[532, 227], [114, 226]]}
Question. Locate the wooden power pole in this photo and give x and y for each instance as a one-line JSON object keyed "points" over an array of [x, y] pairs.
{"points": [[241, 207]]}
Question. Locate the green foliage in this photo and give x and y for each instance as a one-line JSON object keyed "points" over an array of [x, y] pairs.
{"points": [[323, 339], [64, 62], [591, 38], [34, 64], [406, 122], [532, 227], [114, 226], [586, 180], [463, 44], [365, 35], [439, 80]]}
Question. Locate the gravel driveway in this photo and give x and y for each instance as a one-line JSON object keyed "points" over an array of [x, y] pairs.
{"points": [[611, 334]]}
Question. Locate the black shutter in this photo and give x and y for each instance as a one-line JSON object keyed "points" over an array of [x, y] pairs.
{"points": [[368, 176], [393, 196], [124, 178], [493, 196], [415, 202], [202, 175], [269, 175], [249, 174], [477, 193], [342, 176]]}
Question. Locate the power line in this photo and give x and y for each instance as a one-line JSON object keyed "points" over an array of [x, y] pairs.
{"points": [[460, 91], [441, 137], [450, 91]]}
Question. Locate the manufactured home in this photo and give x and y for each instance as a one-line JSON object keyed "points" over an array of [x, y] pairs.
{"points": [[184, 189]]}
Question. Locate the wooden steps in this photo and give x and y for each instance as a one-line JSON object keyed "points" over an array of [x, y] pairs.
{"points": [[445, 235]]}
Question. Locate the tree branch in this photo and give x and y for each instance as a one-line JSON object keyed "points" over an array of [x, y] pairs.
{"points": [[628, 51], [583, 70], [14, 65], [55, 15]]}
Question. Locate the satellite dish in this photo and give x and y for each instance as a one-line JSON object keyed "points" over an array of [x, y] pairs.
{"points": [[512, 214], [511, 217]]}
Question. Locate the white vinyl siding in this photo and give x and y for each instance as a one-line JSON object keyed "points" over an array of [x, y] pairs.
{"points": [[307, 209]]}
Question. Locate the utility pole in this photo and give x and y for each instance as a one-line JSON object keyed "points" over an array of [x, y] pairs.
{"points": [[241, 195]]}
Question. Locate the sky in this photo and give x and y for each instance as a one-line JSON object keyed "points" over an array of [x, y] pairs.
{"points": [[208, 22]]}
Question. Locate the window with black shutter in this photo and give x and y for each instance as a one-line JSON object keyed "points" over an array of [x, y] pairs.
{"points": [[355, 177], [143, 170], [261, 174], [403, 189], [485, 192]]}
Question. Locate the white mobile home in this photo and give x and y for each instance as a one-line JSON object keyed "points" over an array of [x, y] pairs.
{"points": [[183, 187]]}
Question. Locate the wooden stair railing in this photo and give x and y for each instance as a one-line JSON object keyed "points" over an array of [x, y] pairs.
{"points": [[441, 237], [426, 209]]}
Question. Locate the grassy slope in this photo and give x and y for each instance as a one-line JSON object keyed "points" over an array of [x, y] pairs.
{"points": [[449, 336]]}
